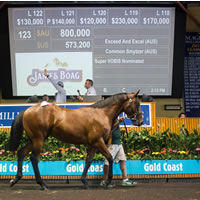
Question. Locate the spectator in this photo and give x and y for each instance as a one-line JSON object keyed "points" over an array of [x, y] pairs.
{"points": [[45, 97], [117, 152], [55, 96], [32, 99], [182, 115], [90, 89], [61, 94]]}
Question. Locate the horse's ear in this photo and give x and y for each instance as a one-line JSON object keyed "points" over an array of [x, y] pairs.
{"points": [[132, 95], [137, 93]]}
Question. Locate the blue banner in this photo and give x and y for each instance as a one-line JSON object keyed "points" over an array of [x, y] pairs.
{"points": [[9, 112], [134, 167]]}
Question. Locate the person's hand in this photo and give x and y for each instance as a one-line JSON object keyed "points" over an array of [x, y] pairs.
{"points": [[46, 73], [121, 119], [80, 98]]}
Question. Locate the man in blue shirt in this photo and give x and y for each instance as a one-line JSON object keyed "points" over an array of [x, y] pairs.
{"points": [[61, 94]]}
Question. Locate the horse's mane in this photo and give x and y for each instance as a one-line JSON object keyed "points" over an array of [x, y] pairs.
{"points": [[108, 101]]}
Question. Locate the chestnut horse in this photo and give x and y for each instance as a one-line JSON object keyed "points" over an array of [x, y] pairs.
{"points": [[90, 125]]}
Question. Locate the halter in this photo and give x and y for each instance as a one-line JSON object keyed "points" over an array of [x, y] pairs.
{"points": [[135, 115]]}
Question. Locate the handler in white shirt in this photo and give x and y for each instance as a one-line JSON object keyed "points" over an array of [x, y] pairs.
{"points": [[90, 89]]}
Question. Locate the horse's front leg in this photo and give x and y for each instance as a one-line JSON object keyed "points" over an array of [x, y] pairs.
{"points": [[34, 161], [90, 154], [102, 148]]}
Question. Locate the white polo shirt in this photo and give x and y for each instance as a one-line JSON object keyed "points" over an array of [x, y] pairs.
{"points": [[90, 91]]}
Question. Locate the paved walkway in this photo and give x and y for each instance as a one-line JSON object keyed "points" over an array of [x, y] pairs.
{"points": [[143, 191]]}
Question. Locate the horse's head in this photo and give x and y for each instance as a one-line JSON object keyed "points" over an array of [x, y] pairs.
{"points": [[133, 110]]}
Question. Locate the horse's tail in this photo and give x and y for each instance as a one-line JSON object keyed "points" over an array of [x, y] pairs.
{"points": [[16, 132]]}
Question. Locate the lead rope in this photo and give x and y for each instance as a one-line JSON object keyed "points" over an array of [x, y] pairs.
{"points": [[125, 128], [124, 141]]}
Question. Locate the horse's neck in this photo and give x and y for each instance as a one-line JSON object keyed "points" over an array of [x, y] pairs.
{"points": [[114, 110]]}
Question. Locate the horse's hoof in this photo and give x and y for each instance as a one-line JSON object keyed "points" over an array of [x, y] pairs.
{"points": [[12, 182], [85, 183], [44, 187], [111, 185], [86, 186]]}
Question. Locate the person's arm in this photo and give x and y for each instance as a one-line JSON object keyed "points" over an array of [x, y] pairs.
{"points": [[121, 119], [60, 89]]}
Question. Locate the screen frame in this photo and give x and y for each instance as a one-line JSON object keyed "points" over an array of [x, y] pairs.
{"points": [[179, 38]]}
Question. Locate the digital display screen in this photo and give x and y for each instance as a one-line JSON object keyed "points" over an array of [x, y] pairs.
{"points": [[122, 49]]}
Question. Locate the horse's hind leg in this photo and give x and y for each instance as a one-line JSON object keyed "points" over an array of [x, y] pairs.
{"points": [[90, 155], [21, 154], [37, 148]]}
